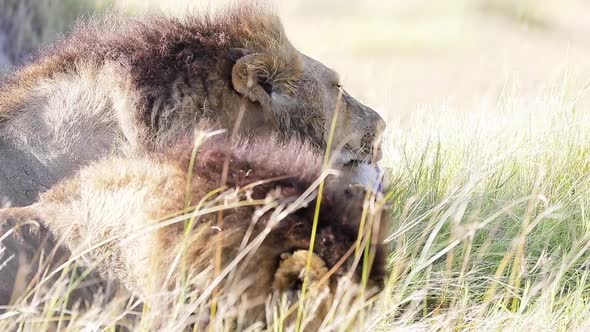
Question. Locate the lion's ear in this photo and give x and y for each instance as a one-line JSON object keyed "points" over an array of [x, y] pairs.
{"points": [[250, 76]]}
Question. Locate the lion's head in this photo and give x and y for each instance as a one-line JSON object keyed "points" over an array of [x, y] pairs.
{"points": [[298, 96]]}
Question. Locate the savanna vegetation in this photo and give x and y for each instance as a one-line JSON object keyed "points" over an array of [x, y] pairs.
{"points": [[487, 152]]}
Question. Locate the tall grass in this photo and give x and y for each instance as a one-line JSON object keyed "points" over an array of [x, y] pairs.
{"points": [[491, 222], [490, 219], [490, 231]]}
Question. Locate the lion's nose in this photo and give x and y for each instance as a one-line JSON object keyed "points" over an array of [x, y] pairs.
{"points": [[377, 123], [373, 139], [380, 125]]}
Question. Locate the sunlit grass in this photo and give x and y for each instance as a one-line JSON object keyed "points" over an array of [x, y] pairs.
{"points": [[490, 214], [489, 208], [490, 229]]}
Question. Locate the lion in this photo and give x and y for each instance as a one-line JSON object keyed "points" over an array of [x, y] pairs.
{"points": [[252, 206], [129, 86], [28, 254]]}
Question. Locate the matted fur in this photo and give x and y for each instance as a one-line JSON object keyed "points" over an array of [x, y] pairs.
{"points": [[125, 198], [136, 85]]}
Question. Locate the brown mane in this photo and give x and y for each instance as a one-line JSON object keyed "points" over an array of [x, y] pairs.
{"points": [[295, 166]]}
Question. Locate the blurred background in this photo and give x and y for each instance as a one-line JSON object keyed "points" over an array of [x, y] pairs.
{"points": [[397, 56]]}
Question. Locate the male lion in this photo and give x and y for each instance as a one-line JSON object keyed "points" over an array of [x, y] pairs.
{"points": [[134, 85], [121, 212]]}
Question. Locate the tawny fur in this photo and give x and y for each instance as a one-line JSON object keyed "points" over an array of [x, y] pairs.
{"points": [[29, 254], [136, 85], [121, 199]]}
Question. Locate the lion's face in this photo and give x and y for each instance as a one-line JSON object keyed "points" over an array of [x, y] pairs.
{"points": [[299, 98], [319, 95]]}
